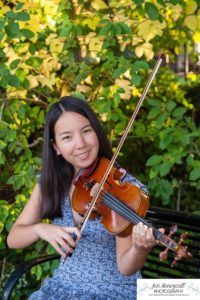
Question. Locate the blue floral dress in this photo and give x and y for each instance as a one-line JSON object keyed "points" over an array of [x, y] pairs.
{"points": [[91, 273]]}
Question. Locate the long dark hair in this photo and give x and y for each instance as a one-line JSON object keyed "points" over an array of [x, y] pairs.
{"points": [[57, 174]]}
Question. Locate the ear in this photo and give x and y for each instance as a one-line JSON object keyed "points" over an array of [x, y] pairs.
{"points": [[56, 149]]}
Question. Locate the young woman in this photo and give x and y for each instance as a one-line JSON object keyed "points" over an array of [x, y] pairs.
{"points": [[102, 266]]}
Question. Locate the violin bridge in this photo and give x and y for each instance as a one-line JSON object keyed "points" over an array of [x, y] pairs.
{"points": [[94, 189]]}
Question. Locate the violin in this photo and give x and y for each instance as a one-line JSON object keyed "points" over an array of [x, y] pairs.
{"points": [[120, 206]]}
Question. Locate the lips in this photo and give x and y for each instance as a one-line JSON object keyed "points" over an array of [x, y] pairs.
{"points": [[83, 155]]}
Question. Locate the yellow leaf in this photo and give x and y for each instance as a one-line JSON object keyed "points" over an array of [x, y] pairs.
{"points": [[92, 23], [176, 12], [50, 81], [32, 81], [191, 6], [83, 88], [49, 64], [98, 4], [197, 37], [24, 48], [126, 86], [191, 22], [55, 43], [145, 49], [33, 24], [4, 9], [10, 54], [64, 90], [18, 94], [95, 44], [149, 29], [139, 51]]}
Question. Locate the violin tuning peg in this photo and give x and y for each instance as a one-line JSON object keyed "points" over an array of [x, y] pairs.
{"points": [[173, 263], [184, 236], [173, 229], [163, 255]]}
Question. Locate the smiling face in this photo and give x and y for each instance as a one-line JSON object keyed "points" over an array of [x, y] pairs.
{"points": [[76, 140]]}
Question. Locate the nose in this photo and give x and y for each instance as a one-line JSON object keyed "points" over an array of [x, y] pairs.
{"points": [[80, 141]]}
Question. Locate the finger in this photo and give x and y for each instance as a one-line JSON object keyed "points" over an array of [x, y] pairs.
{"points": [[58, 249], [65, 245], [71, 238], [149, 235], [74, 230]]}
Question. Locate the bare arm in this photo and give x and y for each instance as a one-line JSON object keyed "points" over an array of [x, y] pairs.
{"points": [[132, 251], [28, 228], [23, 231]]}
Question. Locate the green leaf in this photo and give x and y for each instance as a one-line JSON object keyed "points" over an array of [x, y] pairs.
{"points": [[179, 112], [2, 23], [138, 2], [119, 128], [190, 159], [105, 30], [152, 11], [21, 74], [12, 29], [165, 168], [22, 16], [2, 54], [19, 5], [136, 79], [27, 33], [25, 83], [15, 63], [1, 36], [119, 71], [139, 64], [154, 102], [66, 30], [160, 120], [13, 81], [2, 158], [170, 105], [154, 160], [4, 82], [32, 48], [2, 145], [153, 112], [165, 141], [34, 61], [125, 28], [195, 174], [10, 15], [153, 173], [117, 30], [161, 2]]}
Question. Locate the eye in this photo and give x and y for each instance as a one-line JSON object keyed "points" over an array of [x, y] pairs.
{"points": [[87, 129], [66, 137]]}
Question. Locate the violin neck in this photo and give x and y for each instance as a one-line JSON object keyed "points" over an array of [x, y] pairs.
{"points": [[126, 212]]}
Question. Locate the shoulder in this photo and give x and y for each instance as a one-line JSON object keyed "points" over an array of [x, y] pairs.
{"points": [[134, 181]]}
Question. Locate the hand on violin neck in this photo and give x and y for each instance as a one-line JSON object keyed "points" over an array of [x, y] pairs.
{"points": [[142, 238]]}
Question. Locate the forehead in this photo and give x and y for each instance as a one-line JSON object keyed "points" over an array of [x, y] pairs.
{"points": [[70, 121]]}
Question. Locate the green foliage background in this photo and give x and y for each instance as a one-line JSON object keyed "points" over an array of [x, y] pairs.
{"points": [[103, 51]]}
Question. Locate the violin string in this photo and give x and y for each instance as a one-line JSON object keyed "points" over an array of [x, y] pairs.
{"points": [[122, 208]]}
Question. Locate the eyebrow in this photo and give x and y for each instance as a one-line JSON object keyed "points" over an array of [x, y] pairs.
{"points": [[67, 132]]}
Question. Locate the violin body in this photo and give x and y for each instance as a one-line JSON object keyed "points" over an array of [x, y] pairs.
{"points": [[130, 195], [120, 206]]}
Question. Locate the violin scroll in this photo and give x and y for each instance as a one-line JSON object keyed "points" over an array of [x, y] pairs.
{"points": [[180, 250]]}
